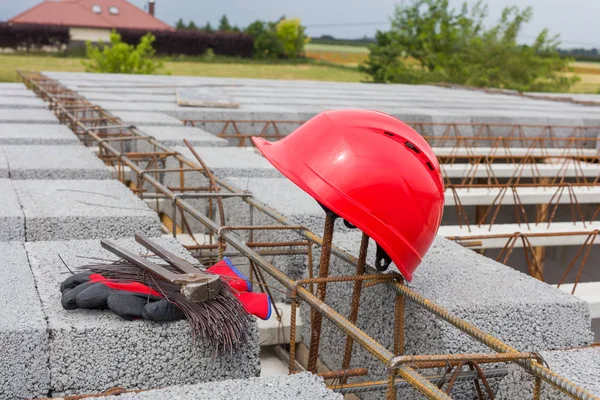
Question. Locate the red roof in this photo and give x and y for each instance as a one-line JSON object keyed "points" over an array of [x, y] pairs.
{"points": [[80, 13]]}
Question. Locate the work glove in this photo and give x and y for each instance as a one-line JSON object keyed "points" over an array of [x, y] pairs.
{"points": [[127, 300], [135, 300]]}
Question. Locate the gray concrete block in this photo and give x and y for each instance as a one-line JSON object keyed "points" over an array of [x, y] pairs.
{"points": [[4, 170], [580, 366], [12, 86], [94, 350], [18, 102], [12, 220], [24, 371], [8, 115], [173, 136], [233, 161], [302, 386], [36, 134], [521, 311], [147, 118], [54, 162], [76, 209]]}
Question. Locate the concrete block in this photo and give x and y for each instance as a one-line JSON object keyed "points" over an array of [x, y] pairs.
{"points": [[54, 162], [12, 220], [4, 171], [18, 102], [302, 386], [8, 115], [36, 134], [147, 118], [173, 136], [521, 311], [22, 92], [75, 209], [94, 350], [233, 161], [24, 371], [580, 366]]}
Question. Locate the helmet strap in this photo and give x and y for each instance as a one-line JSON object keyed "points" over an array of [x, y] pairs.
{"points": [[382, 259]]}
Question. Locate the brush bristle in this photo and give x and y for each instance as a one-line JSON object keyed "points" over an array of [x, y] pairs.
{"points": [[221, 321]]}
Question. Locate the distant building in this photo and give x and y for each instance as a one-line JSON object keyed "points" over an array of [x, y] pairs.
{"points": [[92, 19]]}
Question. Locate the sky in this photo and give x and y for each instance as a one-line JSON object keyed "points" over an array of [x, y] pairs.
{"points": [[575, 20]]}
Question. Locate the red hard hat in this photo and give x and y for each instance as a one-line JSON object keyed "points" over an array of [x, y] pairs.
{"points": [[372, 170]]}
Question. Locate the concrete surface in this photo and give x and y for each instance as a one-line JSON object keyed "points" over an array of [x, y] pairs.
{"points": [[76, 209], [147, 118], [232, 161], [24, 371], [36, 134], [4, 170], [580, 366], [8, 115], [54, 162], [94, 350], [174, 135], [521, 311], [12, 220], [302, 386], [17, 102]]}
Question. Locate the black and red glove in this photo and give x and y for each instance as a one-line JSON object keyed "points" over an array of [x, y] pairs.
{"points": [[135, 300], [127, 300]]}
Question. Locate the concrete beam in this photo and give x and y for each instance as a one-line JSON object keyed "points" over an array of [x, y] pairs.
{"points": [[568, 169], [37, 134], [12, 220], [526, 195], [174, 135], [8, 115], [147, 118], [76, 209], [302, 386], [580, 366], [17, 102], [54, 162], [94, 350], [461, 151], [24, 371], [567, 234], [521, 311]]}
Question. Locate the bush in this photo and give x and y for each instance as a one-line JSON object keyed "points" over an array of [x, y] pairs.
{"points": [[121, 57], [28, 37], [266, 42], [195, 43], [291, 34], [453, 46]]}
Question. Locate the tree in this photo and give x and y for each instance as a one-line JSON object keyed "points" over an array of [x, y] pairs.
{"points": [[224, 25], [192, 26], [292, 36], [121, 57], [180, 24], [208, 28], [266, 41], [453, 46]]}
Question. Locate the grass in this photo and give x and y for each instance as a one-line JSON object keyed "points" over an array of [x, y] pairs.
{"points": [[322, 71], [328, 63]]}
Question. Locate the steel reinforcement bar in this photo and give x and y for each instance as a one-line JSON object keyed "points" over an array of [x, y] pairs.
{"points": [[38, 83]]}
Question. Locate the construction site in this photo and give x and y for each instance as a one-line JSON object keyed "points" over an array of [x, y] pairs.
{"points": [[96, 169]]}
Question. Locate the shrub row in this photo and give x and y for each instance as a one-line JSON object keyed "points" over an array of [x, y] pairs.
{"points": [[26, 36], [236, 44], [195, 42]]}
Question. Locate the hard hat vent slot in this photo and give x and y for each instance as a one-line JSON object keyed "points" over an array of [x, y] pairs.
{"points": [[412, 147], [390, 134], [430, 166]]}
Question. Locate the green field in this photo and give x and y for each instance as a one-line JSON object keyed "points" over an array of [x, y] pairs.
{"points": [[10, 63], [333, 63]]}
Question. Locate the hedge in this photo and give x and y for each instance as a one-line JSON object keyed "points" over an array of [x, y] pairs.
{"points": [[28, 36], [19, 36], [195, 42]]}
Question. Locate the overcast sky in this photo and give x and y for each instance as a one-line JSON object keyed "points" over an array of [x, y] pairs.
{"points": [[577, 21]]}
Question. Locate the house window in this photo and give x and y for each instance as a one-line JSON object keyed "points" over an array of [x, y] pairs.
{"points": [[96, 9], [113, 10]]}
